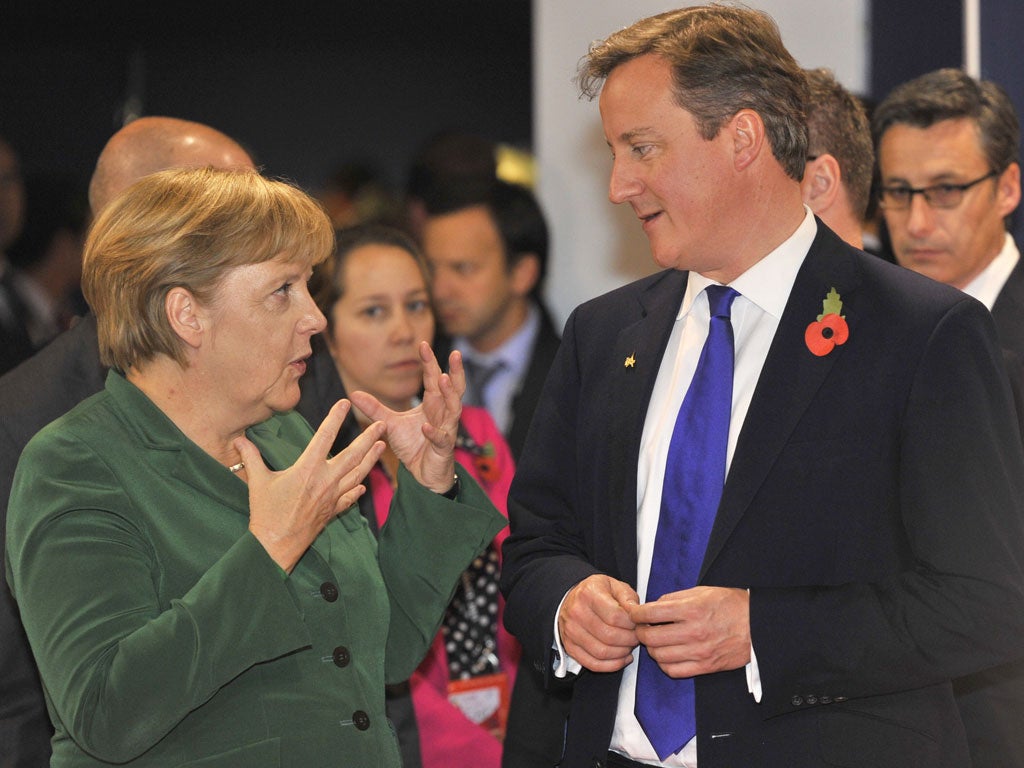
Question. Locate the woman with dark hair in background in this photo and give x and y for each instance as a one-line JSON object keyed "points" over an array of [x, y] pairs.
{"points": [[374, 294]]}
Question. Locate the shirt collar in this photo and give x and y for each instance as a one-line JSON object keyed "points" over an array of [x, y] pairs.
{"points": [[769, 282], [515, 352], [987, 285]]}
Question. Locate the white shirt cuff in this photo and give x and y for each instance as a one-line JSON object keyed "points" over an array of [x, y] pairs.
{"points": [[562, 664], [753, 676]]}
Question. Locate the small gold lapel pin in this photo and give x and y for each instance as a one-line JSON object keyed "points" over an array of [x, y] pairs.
{"points": [[630, 361]]}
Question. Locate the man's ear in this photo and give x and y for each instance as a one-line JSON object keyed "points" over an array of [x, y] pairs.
{"points": [[525, 274], [821, 183], [1008, 190], [747, 131], [185, 316]]}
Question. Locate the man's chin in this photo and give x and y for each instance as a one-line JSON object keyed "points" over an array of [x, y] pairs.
{"points": [[667, 258]]}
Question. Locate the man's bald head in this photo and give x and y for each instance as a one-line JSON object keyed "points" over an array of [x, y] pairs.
{"points": [[152, 144]]}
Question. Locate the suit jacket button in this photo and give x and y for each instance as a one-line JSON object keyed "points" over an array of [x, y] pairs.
{"points": [[826, 699], [361, 720], [797, 701], [840, 699], [812, 700], [328, 592], [341, 656]]}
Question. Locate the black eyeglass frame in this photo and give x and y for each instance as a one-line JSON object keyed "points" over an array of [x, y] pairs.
{"points": [[929, 192]]}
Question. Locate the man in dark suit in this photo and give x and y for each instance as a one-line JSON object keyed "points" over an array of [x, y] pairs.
{"points": [[868, 544], [840, 159], [488, 252], [948, 149], [948, 159], [59, 377]]}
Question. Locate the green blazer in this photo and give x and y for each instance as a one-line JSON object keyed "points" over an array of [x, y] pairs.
{"points": [[164, 633]]}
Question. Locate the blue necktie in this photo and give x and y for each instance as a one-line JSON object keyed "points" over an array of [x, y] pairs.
{"points": [[694, 476], [478, 376]]}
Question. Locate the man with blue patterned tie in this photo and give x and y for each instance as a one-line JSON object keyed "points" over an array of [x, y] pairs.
{"points": [[848, 536]]}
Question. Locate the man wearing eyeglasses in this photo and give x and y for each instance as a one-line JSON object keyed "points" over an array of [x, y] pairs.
{"points": [[949, 174], [949, 169]]}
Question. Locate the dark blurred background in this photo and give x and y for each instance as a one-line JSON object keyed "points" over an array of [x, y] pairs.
{"points": [[305, 86]]}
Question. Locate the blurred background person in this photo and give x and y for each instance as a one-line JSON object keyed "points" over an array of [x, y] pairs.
{"points": [[374, 294], [840, 157], [488, 257], [48, 255], [244, 606], [488, 253], [445, 160], [15, 340], [354, 193], [948, 162]]}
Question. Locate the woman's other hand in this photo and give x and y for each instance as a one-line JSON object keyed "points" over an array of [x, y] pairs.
{"points": [[423, 438], [289, 509]]}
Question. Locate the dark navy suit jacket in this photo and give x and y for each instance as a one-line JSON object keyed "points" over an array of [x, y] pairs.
{"points": [[874, 507]]}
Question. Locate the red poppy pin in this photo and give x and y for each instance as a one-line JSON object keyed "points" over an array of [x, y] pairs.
{"points": [[830, 329], [484, 456], [486, 464]]}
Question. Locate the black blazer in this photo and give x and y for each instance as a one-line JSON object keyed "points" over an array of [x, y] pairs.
{"points": [[992, 702], [1008, 312], [545, 346], [873, 507]]}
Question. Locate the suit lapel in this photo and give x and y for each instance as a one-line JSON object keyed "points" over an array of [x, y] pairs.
{"points": [[791, 377], [204, 475], [636, 357], [169, 449], [1008, 310]]}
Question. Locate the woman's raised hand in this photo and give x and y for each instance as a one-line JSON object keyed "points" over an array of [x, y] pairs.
{"points": [[289, 509], [423, 438]]}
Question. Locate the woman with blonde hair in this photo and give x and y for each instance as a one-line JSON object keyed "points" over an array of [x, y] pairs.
{"points": [[193, 576]]}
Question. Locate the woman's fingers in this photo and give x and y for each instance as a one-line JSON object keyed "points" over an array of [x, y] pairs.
{"points": [[323, 440], [457, 373], [251, 458], [351, 481]]}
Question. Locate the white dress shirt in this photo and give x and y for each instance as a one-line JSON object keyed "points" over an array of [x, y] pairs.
{"points": [[987, 285], [515, 355], [764, 290]]}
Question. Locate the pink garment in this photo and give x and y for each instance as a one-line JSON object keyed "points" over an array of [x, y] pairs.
{"points": [[447, 738]]}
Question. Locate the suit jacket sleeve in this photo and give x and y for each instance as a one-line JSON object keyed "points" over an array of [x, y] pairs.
{"points": [[425, 545], [547, 551]]}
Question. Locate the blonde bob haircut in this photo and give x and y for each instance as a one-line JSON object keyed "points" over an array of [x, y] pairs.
{"points": [[187, 228]]}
